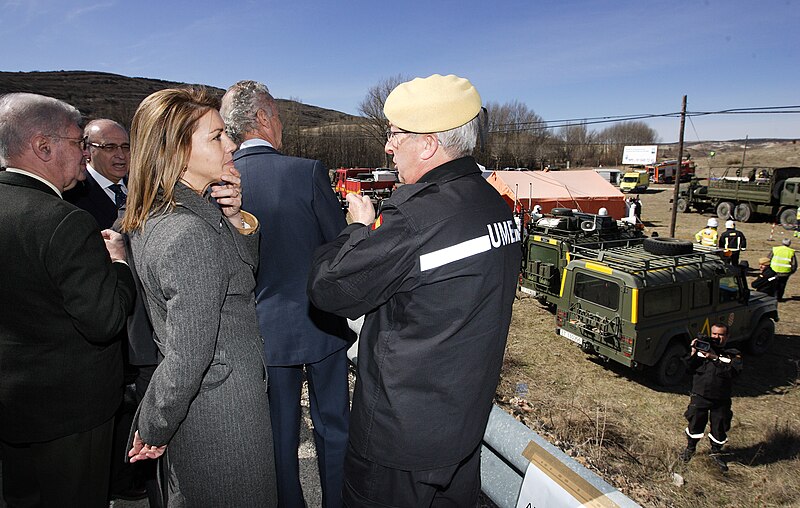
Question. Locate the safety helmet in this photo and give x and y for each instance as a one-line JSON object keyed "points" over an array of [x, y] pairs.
{"points": [[730, 224], [603, 211], [712, 223]]}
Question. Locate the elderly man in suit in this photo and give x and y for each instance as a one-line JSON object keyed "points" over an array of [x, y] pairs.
{"points": [[295, 205], [65, 297]]}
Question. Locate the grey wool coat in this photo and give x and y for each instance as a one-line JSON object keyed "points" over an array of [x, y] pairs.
{"points": [[207, 400]]}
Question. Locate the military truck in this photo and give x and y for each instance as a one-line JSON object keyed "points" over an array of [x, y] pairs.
{"points": [[642, 305], [550, 240], [742, 192]]}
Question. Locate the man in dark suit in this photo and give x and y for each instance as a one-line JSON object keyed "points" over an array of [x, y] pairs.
{"points": [[298, 212], [62, 304], [103, 194]]}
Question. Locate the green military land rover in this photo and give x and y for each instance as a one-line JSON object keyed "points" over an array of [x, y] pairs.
{"points": [[641, 305]]}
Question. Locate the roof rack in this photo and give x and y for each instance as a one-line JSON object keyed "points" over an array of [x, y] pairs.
{"points": [[637, 261]]}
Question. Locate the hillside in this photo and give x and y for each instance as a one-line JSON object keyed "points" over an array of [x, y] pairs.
{"points": [[105, 95]]}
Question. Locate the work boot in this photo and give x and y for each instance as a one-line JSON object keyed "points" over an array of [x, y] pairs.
{"points": [[716, 456], [687, 453]]}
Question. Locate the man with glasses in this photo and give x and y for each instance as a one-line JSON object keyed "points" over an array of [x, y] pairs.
{"points": [[65, 297], [436, 276], [104, 191], [103, 194]]}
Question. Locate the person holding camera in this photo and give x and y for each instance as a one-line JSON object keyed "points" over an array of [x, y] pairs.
{"points": [[713, 368]]}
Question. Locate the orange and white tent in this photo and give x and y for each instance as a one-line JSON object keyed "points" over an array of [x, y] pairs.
{"points": [[582, 189]]}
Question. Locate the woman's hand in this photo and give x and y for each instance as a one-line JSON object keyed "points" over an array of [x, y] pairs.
{"points": [[229, 196], [142, 450]]}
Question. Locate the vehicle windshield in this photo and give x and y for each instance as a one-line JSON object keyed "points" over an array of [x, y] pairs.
{"points": [[630, 179]]}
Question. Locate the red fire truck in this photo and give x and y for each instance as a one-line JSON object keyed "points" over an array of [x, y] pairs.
{"points": [[664, 172], [378, 184]]}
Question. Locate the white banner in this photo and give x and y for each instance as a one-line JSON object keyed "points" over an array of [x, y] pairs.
{"points": [[639, 155]]}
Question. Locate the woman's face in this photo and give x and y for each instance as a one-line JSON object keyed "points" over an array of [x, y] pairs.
{"points": [[212, 152]]}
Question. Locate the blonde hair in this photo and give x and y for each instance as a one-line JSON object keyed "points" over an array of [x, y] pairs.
{"points": [[161, 142]]}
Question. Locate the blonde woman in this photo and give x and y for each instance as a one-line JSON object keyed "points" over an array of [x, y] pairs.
{"points": [[206, 407]]}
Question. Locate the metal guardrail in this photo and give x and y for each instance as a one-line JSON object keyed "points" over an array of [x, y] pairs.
{"points": [[503, 466]]}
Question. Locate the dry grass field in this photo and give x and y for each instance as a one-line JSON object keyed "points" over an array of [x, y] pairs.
{"points": [[629, 430]]}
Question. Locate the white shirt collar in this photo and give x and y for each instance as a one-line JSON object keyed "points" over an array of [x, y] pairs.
{"points": [[101, 180], [37, 177], [256, 142]]}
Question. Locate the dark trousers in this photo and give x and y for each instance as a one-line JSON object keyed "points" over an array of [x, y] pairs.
{"points": [[780, 285], [367, 484], [698, 412], [71, 471], [329, 399]]}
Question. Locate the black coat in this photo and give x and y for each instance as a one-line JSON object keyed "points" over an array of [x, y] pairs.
{"points": [[713, 379], [61, 305], [436, 276]]}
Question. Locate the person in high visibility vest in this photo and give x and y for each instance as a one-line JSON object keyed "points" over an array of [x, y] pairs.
{"points": [[784, 263], [733, 242], [708, 235], [797, 224]]}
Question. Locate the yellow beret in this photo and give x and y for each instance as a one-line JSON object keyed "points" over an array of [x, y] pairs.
{"points": [[433, 104], [763, 261]]}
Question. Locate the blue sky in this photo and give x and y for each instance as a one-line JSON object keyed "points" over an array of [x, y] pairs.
{"points": [[564, 59]]}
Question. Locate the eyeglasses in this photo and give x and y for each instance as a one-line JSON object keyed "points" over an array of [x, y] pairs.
{"points": [[390, 133], [111, 147], [82, 142]]}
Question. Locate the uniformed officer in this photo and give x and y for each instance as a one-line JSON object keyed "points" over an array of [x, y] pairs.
{"points": [[436, 276], [713, 369], [708, 235], [732, 241], [784, 263]]}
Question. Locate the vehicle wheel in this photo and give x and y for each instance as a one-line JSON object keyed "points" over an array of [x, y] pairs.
{"points": [[725, 210], [670, 369], [762, 337], [743, 212], [667, 246], [561, 212], [682, 206], [788, 218]]}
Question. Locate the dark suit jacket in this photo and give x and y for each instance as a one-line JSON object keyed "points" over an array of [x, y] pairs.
{"points": [[298, 211], [62, 303], [89, 196], [141, 348]]}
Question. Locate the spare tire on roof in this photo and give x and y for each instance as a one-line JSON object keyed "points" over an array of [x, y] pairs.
{"points": [[563, 212], [667, 246]]}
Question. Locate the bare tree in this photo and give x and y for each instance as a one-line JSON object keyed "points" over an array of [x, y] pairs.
{"points": [[577, 144], [624, 133], [371, 108], [517, 135]]}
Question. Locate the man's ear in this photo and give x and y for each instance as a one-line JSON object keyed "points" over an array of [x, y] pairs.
{"points": [[42, 147], [430, 147], [263, 118]]}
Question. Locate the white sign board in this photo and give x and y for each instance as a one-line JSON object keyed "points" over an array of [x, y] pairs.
{"points": [[644, 154], [549, 483]]}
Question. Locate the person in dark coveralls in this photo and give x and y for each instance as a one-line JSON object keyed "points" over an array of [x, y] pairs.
{"points": [[65, 296], [767, 279], [712, 373], [293, 201], [436, 276], [733, 241]]}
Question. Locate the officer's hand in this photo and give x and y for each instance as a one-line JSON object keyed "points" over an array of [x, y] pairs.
{"points": [[361, 209]]}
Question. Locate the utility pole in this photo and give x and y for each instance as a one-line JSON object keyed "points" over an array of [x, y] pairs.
{"points": [[676, 190]]}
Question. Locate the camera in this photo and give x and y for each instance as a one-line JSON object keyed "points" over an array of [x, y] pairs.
{"points": [[702, 344]]}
